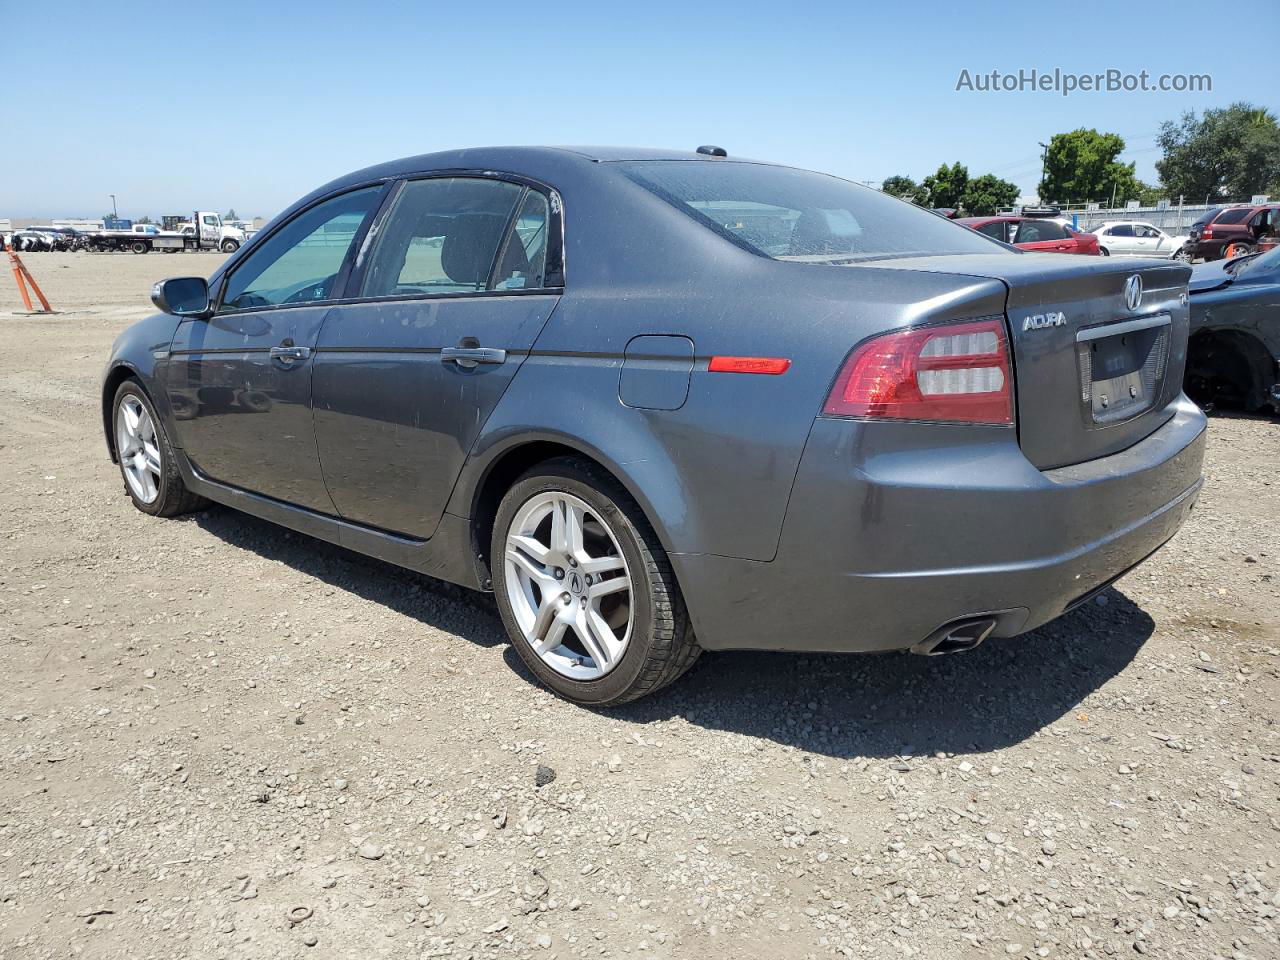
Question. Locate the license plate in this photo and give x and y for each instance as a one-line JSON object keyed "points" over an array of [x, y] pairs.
{"points": [[1122, 367]]}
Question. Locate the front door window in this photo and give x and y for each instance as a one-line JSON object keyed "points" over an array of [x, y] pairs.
{"points": [[301, 262]]}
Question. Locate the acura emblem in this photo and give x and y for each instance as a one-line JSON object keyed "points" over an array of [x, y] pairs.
{"points": [[1133, 292]]}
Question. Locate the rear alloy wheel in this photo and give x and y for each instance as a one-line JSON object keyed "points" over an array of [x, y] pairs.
{"points": [[151, 477], [584, 588]]}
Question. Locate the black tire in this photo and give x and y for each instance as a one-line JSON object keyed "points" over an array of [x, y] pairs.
{"points": [[173, 497], [1242, 249], [1104, 252], [662, 645], [230, 246], [139, 246]]}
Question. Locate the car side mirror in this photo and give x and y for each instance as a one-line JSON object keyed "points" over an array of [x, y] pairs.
{"points": [[182, 297]]}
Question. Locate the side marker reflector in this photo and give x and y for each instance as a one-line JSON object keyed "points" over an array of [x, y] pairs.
{"points": [[770, 366]]}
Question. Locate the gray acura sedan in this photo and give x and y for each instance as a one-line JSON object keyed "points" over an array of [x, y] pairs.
{"points": [[661, 402]]}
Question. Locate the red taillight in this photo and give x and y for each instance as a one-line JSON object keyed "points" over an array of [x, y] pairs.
{"points": [[955, 372], [1208, 232]]}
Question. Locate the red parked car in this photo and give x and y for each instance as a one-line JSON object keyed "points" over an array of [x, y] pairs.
{"points": [[1035, 234]]}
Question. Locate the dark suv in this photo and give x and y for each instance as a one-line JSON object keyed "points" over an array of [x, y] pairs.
{"points": [[1243, 226]]}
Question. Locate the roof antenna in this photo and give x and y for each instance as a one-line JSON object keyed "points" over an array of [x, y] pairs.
{"points": [[711, 151]]}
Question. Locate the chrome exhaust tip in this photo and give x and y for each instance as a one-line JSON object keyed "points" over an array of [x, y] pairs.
{"points": [[955, 637]]}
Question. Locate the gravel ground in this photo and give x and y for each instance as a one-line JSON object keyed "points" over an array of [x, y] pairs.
{"points": [[212, 727]]}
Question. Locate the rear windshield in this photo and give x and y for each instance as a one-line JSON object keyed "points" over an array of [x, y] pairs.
{"points": [[797, 215]]}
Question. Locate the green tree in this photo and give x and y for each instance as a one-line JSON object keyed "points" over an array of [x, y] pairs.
{"points": [[946, 187], [1148, 195], [1232, 153], [986, 194], [904, 188], [1082, 165]]}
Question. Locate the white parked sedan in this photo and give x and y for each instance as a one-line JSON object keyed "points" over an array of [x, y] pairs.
{"points": [[1137, 239]]}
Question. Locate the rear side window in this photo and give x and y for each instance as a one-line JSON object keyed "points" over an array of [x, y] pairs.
{"points": [[999, 230], [790, 214], [300, 262], [1040, 231], [442, 236], [1237, 215], [523, 264], [1124, 230]]}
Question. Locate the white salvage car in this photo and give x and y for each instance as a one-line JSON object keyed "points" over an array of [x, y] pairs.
{"points": [[1133, 238]]}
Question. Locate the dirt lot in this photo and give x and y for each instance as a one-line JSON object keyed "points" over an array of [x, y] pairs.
{"points": [[209, 723]]}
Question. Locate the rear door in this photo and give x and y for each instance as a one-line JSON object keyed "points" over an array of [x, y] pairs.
{"points": [[1043, 236], [458, 279], [1146, 240]]}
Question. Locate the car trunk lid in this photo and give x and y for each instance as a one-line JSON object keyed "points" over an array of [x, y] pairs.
{"points": [[1095, 372]]}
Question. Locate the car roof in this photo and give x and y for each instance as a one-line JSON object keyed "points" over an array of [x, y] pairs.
{"points": [[1251, 207], [518, 157]]}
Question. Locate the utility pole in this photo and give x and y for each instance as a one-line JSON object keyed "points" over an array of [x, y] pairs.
{"points": [[1044, 159]]}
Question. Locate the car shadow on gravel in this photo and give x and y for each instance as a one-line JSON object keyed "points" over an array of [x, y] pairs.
{"points": [[459, 611], [896, 704], [868, 705]]}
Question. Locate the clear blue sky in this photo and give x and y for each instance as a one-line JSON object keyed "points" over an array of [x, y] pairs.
{"points": [[173, 105]]}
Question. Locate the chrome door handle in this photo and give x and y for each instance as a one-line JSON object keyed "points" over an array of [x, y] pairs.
{"points": [[470, 357], [289, 355]]}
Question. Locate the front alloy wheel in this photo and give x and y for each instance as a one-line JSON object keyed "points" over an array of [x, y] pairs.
{"points": [[151, 476], [584, 587], [136, 446]]}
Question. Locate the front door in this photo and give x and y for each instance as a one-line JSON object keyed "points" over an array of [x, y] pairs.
{"points": [[209, 228], [453, 294], [240, 382]]}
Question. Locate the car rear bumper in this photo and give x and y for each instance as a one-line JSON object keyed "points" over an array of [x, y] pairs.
{"points": [[895, 530], [1208, 249]]}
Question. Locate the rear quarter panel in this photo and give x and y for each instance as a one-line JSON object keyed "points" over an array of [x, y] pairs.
{"points": [[715, 475]]}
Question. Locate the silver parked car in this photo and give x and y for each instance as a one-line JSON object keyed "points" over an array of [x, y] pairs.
{"points": [[661, 402], [1138, 239]]}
